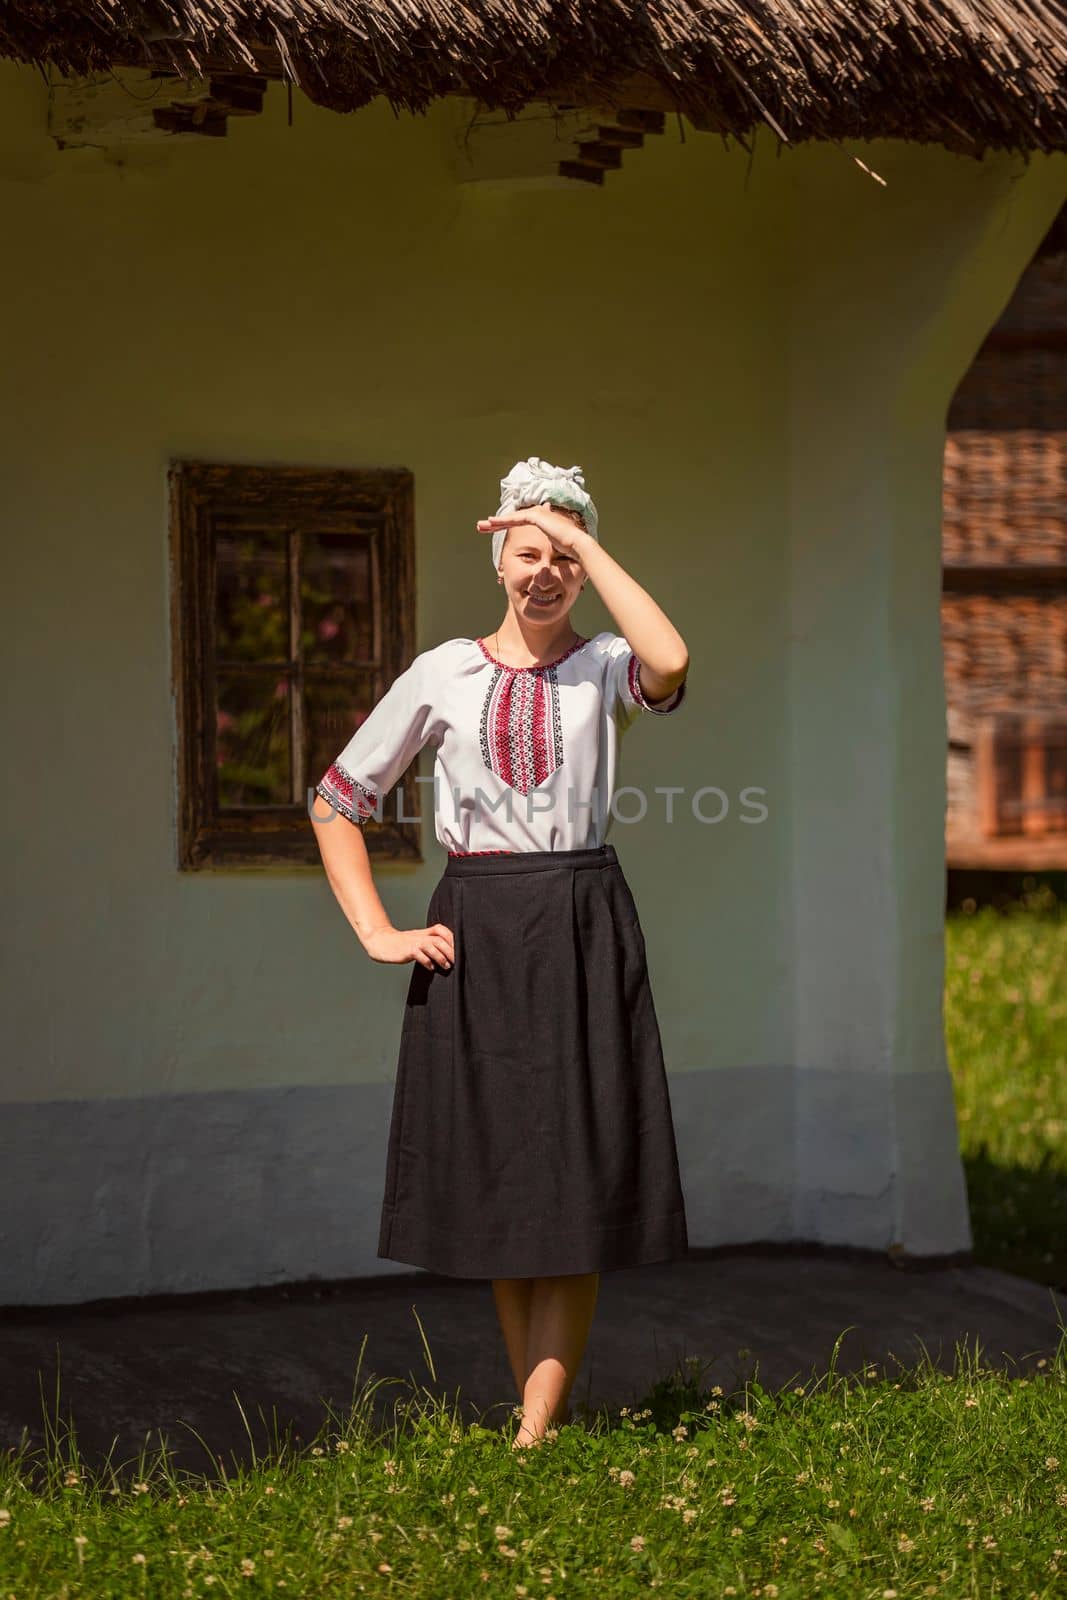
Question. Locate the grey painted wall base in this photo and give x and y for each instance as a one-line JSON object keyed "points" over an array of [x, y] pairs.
{"points": [[846, 1157], [192, 1192]]}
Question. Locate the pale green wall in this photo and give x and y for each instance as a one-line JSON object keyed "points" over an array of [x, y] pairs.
{"points": [[751, 361], [325, 293]]}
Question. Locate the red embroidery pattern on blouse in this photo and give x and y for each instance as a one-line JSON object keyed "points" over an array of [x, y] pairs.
{"points": [[634, 670], [545, 665], [521, 731], [346, 794], [633, 676], [483, 852]]}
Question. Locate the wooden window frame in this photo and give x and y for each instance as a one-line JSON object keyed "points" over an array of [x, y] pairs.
{"points": [[1016, 755], [376, 500], [1015, 750]]}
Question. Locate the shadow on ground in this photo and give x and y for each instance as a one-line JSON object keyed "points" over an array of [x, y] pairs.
{"points": [[135, 1372]]}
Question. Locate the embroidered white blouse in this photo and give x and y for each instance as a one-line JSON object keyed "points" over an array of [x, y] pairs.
{"points": [[525, 756]]}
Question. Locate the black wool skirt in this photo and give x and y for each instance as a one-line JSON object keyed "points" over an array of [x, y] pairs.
{"points": [[531, 1130]]}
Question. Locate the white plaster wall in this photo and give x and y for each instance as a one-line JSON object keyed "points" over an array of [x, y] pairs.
{"points": [[752, 361], [879, 338]]}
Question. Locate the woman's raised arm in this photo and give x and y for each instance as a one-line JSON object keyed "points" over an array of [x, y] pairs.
{"points": [[648, 630]]}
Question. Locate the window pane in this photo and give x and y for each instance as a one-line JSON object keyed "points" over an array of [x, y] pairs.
{"points": [[252, 741], [333, 711], [337, 599], [251, 594]]}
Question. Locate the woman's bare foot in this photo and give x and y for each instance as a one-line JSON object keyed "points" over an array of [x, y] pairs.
{"points": [[527, 1435]]}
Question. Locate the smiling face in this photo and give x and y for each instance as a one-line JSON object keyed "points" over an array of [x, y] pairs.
{"points": [[541, 582]]}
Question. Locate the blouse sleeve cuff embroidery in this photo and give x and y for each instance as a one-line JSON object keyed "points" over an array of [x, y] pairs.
{"points": [[347, 795], [634, 683]]}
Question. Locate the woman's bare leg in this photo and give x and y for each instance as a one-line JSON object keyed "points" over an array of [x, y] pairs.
{"points": [[561, 1315], [545, 1323], [514, 1297]]}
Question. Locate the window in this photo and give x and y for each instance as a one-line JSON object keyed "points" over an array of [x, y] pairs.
{"points": [[292, 610], [1022, 774], [1004, 633]]}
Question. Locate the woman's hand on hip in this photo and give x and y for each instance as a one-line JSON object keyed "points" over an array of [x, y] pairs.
{"points": [[424, 945]]}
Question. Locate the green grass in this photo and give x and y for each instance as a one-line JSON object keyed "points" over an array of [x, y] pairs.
{"points": [[891, 1483], [1006, 1036], [921, 1482]]}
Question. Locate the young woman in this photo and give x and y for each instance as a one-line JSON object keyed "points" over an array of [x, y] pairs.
{"points": [[531, 1140]]}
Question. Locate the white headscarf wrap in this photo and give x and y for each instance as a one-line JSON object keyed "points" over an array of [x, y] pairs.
{"points": [[532, 481]]}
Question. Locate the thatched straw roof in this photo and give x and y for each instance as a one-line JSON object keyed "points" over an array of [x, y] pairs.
{"points": [[970, 74]]}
